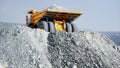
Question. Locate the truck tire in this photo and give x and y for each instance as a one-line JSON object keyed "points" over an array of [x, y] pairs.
{"points": [[31, 26], [68, 27], [74, 28], [44, 25], [51, 27]]}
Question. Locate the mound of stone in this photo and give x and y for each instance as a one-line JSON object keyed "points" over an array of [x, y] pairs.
{"points": [[23, 47]]}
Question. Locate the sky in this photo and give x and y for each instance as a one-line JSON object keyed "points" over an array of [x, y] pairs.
{"points": [[98, 15]]}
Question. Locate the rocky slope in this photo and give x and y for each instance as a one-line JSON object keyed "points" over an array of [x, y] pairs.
{"points": [[23, 47]]}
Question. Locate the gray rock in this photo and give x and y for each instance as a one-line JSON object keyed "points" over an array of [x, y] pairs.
{"points": [[23, 47]]}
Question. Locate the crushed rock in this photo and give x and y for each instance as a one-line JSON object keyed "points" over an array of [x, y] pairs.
{"points": [[23, 47]]}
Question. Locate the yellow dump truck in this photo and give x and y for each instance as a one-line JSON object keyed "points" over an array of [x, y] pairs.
{"points": [[52, 20]]}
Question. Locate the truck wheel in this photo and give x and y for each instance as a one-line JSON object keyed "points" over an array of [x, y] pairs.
{"points": [[44, 25], [51, 27], [31, 26], [74, 28], [68, 27]]}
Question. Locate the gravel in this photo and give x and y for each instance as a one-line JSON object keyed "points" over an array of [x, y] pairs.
{"points": [[23, 47]]}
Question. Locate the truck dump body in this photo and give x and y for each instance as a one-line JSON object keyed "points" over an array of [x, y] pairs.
{"points": [[68, 16], [62, 15]]}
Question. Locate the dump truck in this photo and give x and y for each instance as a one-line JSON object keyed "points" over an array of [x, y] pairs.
{"points": [[52, 20]]}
